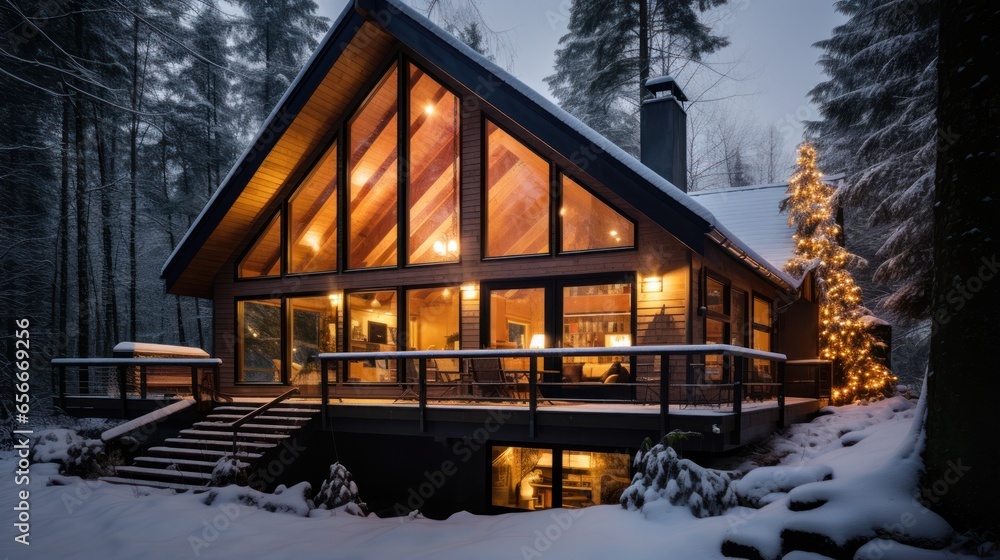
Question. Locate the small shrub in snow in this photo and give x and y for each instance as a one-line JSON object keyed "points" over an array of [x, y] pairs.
{"points": [[228, 470], [662, 475], [76, 455], [339, 490], [292, 500]]}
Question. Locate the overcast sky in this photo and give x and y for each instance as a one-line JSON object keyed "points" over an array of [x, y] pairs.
{"points": [[775, 36]]}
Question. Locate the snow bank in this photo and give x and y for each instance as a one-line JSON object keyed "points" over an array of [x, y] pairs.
{"points": [[294, 500], [764, 485]]}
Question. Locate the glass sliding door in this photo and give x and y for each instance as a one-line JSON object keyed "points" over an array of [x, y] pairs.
{"points": [[373, 322], [433, 323], [597, 316], [313, 331]]}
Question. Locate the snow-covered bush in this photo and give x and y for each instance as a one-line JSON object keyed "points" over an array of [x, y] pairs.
{"points": [[228, 470], [662, 475], [339, 490], [292, 500], [75, 454]]}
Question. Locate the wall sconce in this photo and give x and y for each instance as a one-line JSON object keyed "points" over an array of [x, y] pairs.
{"points": [[449, 247], [469, 291], [652, 284], [537, 341], [335, 300]]}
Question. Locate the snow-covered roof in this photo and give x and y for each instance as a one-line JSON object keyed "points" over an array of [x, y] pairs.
{"points": [[754, 215], [149, 349]]}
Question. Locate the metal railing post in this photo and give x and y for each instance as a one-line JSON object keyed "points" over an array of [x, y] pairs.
{"points": [[62, 386], [532, 398], [664, 395], [324, 388], [738, 404], [123, 390], [422, 392], [194, 384], [142, 382], [781, 395]]}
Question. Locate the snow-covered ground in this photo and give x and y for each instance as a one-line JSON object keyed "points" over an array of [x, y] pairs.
{"points": [[867, 449]]}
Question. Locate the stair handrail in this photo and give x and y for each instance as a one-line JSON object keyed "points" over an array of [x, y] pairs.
{"points": [[237, 424]]}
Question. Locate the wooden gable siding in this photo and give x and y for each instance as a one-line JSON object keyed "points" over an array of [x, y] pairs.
{"points": [[661, 317], [306, 132]]}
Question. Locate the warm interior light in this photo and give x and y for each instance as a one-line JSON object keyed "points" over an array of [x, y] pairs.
{"points": [[537, 341], [439, 247], [452, 246], [429, 110], [619, 340], [312, 239], [361, 176], [334, 299], [652, 284], [469, 291]]}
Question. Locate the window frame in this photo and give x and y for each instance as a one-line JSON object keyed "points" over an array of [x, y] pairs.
{"points": [[238, 373], [257, 238]]}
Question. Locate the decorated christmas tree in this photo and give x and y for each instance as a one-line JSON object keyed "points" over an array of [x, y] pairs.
{"points": [[844, 334]]}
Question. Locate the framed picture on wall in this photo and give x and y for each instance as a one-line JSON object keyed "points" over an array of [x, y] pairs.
{"points": [[378, 332]]}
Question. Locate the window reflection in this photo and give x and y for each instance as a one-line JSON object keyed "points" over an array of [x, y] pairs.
{"points": [[260, 341], [313, 331]]}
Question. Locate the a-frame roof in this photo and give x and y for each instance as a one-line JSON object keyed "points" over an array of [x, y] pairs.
{"points": [[349, 54]]}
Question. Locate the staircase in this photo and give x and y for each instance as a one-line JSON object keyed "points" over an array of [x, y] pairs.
{"points": [[186, 462]]}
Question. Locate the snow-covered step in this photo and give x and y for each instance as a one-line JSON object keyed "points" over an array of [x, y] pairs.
{"points": [[228, 436], [187, 465], [166, 475], [255, 428], [296, 421], [155, 484], [283, 411], [205, 454], [221, 444]]}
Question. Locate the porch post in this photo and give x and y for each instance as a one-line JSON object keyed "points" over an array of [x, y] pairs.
{"points": [[123, 390], [194, 384], [324, 388], [664, 395], [781, 395], [532, 397], [422, 392], [62, 386]]}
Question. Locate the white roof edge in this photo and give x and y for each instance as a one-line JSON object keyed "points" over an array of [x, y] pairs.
{"points": [[260, 132], [775, 271]]}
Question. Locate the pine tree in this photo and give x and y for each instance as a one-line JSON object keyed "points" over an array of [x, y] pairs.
{"points": [[610, 49], [275, 37], [844, 337], [879, 127]]}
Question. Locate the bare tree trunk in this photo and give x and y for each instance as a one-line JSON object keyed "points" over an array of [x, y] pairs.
{"points": [[133, 268], [106, 170], [62, 264], [182, 339], [644, 40], [961, 459], [82, 268]]}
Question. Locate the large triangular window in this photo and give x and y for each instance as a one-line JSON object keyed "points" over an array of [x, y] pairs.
{"points": [[588, 223], [264, 258]]}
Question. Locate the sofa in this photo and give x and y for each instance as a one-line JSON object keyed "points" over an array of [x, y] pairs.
{"points": [[593, 382]]}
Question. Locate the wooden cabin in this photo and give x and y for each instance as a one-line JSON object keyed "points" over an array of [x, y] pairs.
{"points": [[408, 194]]}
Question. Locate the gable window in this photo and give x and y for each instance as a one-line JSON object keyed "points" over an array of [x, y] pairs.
{"points": [[312, 217], [264, 257], [433, 175], [373, 188], [588, 223], [517, 197]]}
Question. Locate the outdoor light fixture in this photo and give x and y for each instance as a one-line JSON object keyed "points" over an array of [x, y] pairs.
{"points": [[334, 300], [652, 284], [537, 341]]}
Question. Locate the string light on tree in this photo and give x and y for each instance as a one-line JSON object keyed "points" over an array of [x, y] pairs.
{"points": [[844, 336]]}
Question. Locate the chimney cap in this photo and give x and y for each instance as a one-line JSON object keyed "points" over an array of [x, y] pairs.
{"points": [[665, 84]]}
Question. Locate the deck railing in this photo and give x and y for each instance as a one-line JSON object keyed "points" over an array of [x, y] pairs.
{"points": [[131, 378], [732, 366]]}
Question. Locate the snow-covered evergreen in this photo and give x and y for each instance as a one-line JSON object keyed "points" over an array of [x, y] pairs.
{"points": [[879, 127]]}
